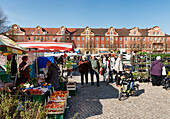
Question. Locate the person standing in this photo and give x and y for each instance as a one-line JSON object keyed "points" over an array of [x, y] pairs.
{"points": [[132, 61], [95, 70], [106, 70], [119, 69], [83, 69], [52, 75], [156, 71], [112, 68], [24, 70]]}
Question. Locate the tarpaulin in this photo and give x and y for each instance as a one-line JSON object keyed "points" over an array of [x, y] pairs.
{"points": [[43, 61]]}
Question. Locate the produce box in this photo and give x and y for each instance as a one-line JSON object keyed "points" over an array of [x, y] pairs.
{"points": [[5, 77], [55, 116], [71, 87], [63, 86], [40, 98], [55, 107]]}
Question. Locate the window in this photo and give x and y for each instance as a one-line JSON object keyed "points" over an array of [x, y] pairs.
{"points": [[13, 32], [29, 38], [162, 46], [72, 38], [134, 39], [115, 38], [17, 32], [153, 33], [78, 38], [87, 38], [96, 38], [82, 45], [42, 38], [96, 45], [58, 38], [130, 38], [153, 46], [120, 38], [120, 45], [138, 46], [125, 45], [157, 39], [78, 46], [17, 38], [67, 38], [48, 38], [138, 39], [158, 46], [125, 38], [82, 38], [91, 45], [144, 39], [63, 32], [143, 46], [102, 38], [22, 38], [87, 32], [34, 38], [38, 32], [92, 38], [107, 46], [111, 45], [115, 45], [157, 33], [153, 39], [111, 33], [91, 52], [166, 39], [107, 38], [102, 45], [134, 46], [149, 39], [162, 39], [111, 38], [53, 38], [96, 52], [135, 33], [130, 45], [38, 38], [150, 46]]}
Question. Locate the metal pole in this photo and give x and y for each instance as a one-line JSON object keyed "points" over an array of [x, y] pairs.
{"points": [[36, 63]]}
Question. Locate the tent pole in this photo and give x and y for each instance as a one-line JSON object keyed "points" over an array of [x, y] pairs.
{"points": [[36, 63]]}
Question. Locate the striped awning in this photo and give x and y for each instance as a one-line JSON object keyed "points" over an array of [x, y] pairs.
{"points": [[9, 46], [47, 46]]}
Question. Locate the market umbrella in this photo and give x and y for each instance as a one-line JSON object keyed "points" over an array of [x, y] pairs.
{"points": [[9, 46]]}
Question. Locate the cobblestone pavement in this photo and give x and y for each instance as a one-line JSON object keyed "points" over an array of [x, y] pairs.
{"points": [[94, 102]]}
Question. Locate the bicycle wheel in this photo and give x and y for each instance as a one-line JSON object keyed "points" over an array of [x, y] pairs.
{"points": [[136, 91], [120, 94]]}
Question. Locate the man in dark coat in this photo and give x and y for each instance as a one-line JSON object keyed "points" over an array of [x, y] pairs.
{"points": [[156, 71], [53, 76]]}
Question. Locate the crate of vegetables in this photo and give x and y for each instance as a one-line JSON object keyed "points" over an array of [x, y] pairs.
{"points": [[55, 107]]}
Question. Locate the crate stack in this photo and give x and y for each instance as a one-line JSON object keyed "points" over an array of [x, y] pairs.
{"points": [[71, 87]]}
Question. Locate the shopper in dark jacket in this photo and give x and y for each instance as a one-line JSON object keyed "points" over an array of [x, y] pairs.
{"points": [[83, 69], [52, 75], [156, 71]]}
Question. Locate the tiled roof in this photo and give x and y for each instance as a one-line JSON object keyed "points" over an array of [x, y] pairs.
{"points": [[78, 31]]}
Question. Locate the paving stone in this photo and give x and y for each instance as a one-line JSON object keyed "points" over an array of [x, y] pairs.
{"points": [[94, 102]]}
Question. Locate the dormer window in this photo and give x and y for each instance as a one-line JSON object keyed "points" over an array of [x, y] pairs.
{"points": [[157, 33], [17, 32], [63, 32], [87, 32], [135, 33], [111, 32], [38, 32], [153, 33]]}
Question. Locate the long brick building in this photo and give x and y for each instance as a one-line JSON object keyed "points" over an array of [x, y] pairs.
{"points": [[95, 40]]}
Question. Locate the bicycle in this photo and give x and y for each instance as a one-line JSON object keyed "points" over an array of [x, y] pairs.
{"points": [[124, 92]]}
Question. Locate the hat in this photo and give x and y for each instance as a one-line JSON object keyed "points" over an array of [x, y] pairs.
{"points": [[158, 58]]}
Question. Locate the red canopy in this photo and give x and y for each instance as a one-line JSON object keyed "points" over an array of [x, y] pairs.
{"points": [[48, 46]]}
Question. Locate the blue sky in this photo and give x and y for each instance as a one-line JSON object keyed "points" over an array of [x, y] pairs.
{"points": [[92, 13]]}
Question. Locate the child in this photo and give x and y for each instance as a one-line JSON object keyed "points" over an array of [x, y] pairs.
{"points": [[129, 76]]}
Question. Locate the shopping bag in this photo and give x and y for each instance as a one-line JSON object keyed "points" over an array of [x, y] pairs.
{"points": [[163, 71]]}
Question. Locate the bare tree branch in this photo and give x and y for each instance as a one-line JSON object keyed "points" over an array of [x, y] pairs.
{"points": [[3, 22]]}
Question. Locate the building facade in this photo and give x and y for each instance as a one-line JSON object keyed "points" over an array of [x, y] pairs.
{"points": [[94, 40]]}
